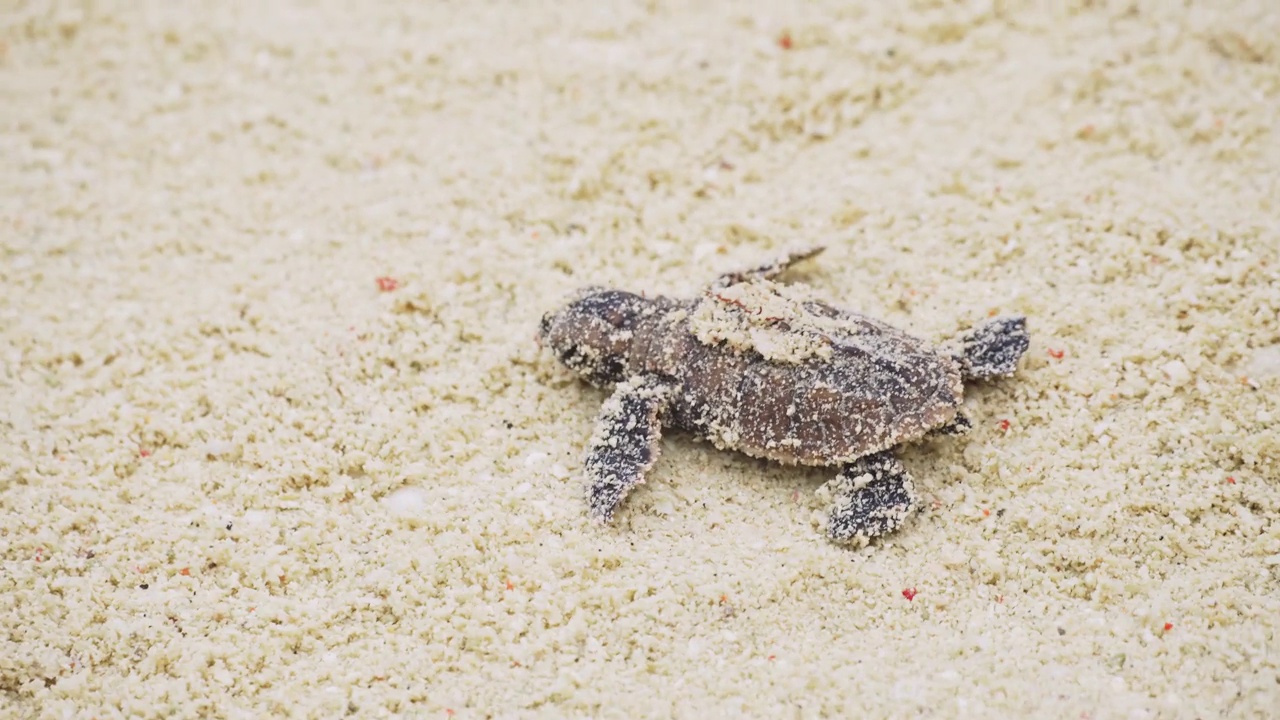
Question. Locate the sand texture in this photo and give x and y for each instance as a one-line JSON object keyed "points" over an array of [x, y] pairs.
{"points": [[276, 437]]}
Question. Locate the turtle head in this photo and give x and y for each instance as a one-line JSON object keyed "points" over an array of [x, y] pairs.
{"points": [[592, 334]]}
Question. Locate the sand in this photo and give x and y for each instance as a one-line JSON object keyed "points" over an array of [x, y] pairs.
{"points": [[276, 438]]}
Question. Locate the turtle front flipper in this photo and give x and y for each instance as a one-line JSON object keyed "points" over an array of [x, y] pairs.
{"points": [[992, 350], [768, 271], [625, 443], [873, 496]]}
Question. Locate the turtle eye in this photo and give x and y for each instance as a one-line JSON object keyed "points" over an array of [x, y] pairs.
{"points": [[614, 313], [616, 308]]}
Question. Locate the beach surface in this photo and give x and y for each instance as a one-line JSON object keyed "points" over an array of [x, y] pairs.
{"points": [[276, 437]]}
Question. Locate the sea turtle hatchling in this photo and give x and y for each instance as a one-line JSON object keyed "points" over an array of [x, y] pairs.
{"points": [[767, 370]]}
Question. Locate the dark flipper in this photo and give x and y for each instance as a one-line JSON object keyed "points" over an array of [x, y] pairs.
{"points": [[625, 443], [993, 350], [767, 271], [873, 496], [959, 425]]}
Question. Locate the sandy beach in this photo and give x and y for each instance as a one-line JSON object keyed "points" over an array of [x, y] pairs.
{"points": [[276, 438]]}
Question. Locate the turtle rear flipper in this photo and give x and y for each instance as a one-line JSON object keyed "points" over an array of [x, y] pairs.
{"points": [[768, 271], [993, 349], [867, 507], [625, 443]]}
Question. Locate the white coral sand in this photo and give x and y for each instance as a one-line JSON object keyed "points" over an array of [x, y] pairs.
{"points": [[270, 275]]}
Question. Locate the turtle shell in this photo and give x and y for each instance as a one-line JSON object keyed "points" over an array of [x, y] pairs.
{"points": [[778, 376]]}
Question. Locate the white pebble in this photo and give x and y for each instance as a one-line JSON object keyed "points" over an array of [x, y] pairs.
{"points": [[1177, 372], [256, 517], [701, 251], [407, 501], [1265, 363], [219, 448]]}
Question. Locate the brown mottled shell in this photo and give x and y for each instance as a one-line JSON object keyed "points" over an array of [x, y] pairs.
{"points": [[877, 387]]}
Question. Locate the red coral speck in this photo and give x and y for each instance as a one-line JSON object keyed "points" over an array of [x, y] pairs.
{"points": [[144, 452], [909, 593], [1004, 425], [1231, 480], [1168, 627], [387, 284], [784, 41], [1056, 354]]}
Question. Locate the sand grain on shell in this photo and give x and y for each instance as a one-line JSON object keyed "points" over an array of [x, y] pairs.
{"points": [[766, 318], [269, 282]]}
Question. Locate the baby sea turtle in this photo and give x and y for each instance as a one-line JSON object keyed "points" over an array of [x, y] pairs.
{"points": [[764, 369]]}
